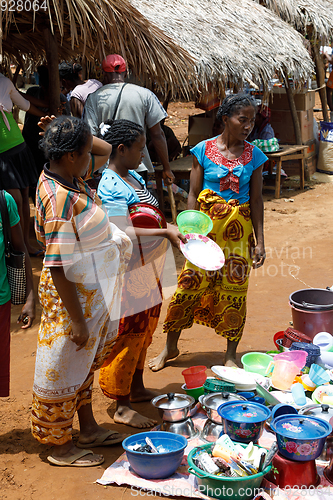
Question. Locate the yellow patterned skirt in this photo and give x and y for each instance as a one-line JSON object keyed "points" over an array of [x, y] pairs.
{"points": [[64, 376], [141, 306], [217, 298]]}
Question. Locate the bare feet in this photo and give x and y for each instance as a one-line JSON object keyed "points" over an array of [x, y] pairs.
{"points": [[158, 363], [127, 416], [143, 395]]}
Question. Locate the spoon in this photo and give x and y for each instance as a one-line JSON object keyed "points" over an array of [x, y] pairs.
{"points": [[150, 443]]}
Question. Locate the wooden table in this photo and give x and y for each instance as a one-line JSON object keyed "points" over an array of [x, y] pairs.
{"points": [[181, 169], [287, 152]]}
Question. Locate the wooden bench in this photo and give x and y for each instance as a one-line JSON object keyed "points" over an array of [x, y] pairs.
{"points": [[286, 152]]}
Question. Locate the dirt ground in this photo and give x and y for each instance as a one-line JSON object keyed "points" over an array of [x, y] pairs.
{"points": [[299, 242]]}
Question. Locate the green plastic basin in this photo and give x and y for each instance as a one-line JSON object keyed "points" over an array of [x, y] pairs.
{"points": [[231, 488], [193, 221]]}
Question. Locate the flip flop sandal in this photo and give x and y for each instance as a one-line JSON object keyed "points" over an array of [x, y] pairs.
{"points": [[38, 253], [71, 461], [103, 440]]}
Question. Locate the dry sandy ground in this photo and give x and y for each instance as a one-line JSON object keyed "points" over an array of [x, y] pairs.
{"points": [[299, 241]]}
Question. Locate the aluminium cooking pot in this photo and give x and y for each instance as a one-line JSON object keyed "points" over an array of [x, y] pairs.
{"points": [[211, 402], [173, 407], [326, 413]]}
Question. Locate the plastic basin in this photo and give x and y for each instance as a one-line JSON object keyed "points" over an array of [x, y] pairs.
{"points": [[156, 465], [231, 488], [193, 221], [195, 376], [256, 362], [195, 392]]}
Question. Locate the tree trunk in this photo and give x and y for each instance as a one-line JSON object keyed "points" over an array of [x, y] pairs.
{"points": [[293, 111], [320, 75], [51, 49]]}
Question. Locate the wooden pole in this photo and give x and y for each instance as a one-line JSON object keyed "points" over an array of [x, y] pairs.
{"points": [[320, 76], [293, 110], [51, 49]]}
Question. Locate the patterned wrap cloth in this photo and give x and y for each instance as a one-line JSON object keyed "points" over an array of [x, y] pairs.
{"points": [[141, 306], [93, 253], [217, 298]]}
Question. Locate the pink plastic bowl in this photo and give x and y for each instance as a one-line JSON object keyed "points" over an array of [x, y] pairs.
{"points": [[195, 376]]}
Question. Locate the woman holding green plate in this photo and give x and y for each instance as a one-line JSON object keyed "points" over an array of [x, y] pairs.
{"points": [[225, 184]]}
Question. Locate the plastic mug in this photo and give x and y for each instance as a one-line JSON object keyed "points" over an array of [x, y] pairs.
{"points": [[296, 357], [297, 390], [284, 374]]}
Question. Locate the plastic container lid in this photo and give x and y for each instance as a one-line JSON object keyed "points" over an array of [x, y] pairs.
{"points": [[246, 412], [301, 427]]}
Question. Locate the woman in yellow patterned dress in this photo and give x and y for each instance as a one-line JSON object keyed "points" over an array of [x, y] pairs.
{"points": [[226, 184], [80, 292]]}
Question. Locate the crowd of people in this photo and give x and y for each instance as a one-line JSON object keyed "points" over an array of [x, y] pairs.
{"points": [[101, 284]]}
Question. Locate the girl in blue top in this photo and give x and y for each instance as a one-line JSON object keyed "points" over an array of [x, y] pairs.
{"points": [[121, 376], [226, 184]]}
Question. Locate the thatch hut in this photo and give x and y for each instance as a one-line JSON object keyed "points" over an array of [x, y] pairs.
{"points": [[94, 28], [231, 40], [313, 18]]}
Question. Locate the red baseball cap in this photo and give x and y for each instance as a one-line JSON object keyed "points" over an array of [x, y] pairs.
{"points": [[114, 63]]}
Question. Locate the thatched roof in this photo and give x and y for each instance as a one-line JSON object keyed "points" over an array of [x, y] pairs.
{"points": [[231, 39], [302, 14], [96, 28]]}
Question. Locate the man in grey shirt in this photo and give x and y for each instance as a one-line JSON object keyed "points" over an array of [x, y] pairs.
{"points": [[137, 104]]}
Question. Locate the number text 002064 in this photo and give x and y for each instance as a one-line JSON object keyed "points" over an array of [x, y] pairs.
{"points": [[23, 5]]}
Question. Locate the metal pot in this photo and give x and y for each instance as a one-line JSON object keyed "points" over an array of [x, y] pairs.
{"points": [[185, 428], [211, 402], [326, 413], [173, 407], [211, 431], [244, 421], [300, 437], [312, 311]]}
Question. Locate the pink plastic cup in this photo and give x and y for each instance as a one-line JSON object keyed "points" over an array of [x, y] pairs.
{"points": [[195, 376]]}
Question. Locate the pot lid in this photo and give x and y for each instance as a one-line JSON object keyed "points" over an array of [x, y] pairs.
{"points": [[301, 427], [216, 399], [173, 401], [244, 412], [325, 412]]}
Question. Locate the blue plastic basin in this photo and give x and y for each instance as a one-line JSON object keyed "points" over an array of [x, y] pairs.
{"points": [[156, 465]]}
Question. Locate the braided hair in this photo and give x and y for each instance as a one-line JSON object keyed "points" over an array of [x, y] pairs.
{"points": [[64, 135], [117, 132], [233, 103]]}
